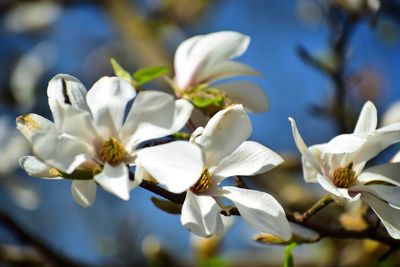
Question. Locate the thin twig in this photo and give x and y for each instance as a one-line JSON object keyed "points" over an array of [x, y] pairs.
{"points": [[322, 203]]}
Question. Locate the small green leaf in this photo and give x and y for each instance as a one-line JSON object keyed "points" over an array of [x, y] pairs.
{"points": [[288, 260], [148, 74], [121, 72], [181, 136], [202, 102]]}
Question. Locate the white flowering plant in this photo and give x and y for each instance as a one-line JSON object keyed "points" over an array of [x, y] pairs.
{"points": [[119, 135]]}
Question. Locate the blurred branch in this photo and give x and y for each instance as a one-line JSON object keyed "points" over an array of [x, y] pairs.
{"points": [[55, 258], [314, 62], [145, 47], [341, 30], [21, 255]]}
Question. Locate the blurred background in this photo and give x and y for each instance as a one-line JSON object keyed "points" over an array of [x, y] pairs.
{"points": [[357, 44]]}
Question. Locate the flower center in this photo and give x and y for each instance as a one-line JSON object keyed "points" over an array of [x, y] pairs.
{"points": [[344, 177], [203, 183], [112, 151]]}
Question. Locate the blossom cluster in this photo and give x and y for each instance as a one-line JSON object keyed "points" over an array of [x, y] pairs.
{"points": [[94, 140]]}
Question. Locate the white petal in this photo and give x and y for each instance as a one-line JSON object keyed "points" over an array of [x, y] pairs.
{"points": [[84, 192], [32, 123], [78, 123], [327, 184], [63, 152], [309, 173], [250, 158], [224, 133], [183, 75], [107, 100], [260, 209], [378, 141], [177, 165], [65, 89], [368, 119], [344, 143], [248, 94], [140, 175], [201, 215], [35, 167], [115, 179], [196, 133], [389, 173], [154, 115], [389, 216], [342, 150], [396, 157], [301, 146], [226, 69], [199, 53], [388, 193]]}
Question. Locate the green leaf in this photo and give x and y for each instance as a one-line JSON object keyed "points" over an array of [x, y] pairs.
{"points": [[121, 72], [148, 74], [181, 136], [203, 102], [288, 258]]}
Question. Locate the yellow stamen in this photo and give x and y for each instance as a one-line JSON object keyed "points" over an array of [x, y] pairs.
{"points": [[344, 177], [54, 172], [28, 121], [203, 183], [112, 151]]}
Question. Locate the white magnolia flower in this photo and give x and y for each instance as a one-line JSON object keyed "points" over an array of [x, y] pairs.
{"points": [[204, 59], [339, 167], [90, 138], [218, 151]]}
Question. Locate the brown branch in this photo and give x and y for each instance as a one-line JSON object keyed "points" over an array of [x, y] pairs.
{"points": [[341, 233], [152, 187], [55, 258], [323, 230], [322, 203]]}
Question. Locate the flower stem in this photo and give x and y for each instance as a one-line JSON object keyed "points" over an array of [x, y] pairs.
{"points": [[323, 202]]}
